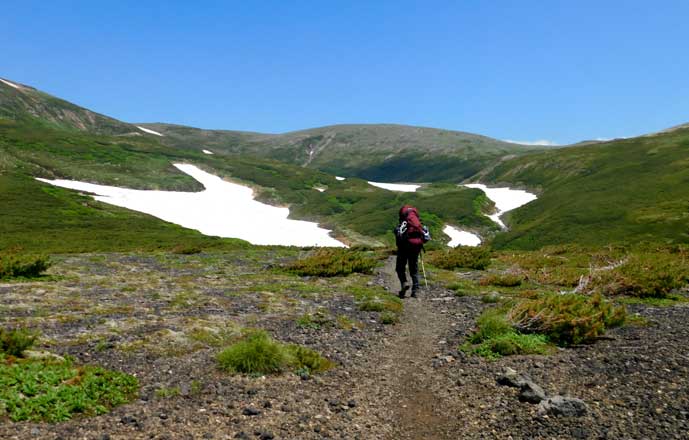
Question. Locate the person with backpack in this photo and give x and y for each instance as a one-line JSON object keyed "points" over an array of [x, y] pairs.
{"points": [[410, 236]]}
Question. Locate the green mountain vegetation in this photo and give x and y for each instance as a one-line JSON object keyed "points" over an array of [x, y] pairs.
{"points": [[623, 191], [385, 152], [39, 217], [26, 104]]}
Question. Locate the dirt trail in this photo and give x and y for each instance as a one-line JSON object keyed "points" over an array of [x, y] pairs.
{"points": [[418, 411]]}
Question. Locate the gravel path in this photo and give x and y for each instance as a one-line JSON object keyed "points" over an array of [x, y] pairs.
{"points": [[403, 381]]}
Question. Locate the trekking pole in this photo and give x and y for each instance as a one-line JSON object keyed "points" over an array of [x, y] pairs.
{"points": [[423, 269]]}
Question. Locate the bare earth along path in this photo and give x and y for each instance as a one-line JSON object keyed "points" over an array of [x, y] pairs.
{"points": [[135, 313]]}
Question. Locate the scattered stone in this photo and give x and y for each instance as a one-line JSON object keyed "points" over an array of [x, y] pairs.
{"points": [[351, 403], [266, 435], [250, 411], [562, 406], [531, 392], [242, 435], [511, 378]]}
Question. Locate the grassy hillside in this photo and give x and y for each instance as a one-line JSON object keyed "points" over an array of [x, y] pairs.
{"points": [[623, 191], [384, 152], [24, 103], [36, 214]]}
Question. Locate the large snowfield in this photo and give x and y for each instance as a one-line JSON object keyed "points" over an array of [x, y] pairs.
{"points": [[458, 237], [396, 186], [223, 209], [505, 199]]}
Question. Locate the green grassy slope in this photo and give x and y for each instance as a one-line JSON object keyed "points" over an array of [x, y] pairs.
{"points": [[386, 152], [62, 221], [30, 105], [624, 191]]}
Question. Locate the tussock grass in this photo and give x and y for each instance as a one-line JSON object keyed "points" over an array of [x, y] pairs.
{"points": [[333, 262], [258, 353], [496, 337], [461, 257], [376, 299]]}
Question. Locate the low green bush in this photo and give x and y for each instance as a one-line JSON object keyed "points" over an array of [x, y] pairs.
{"points": [[566, 318], [376, 299], [333, 262], [388, 318], [22, 266], [462, 287], [56, 391], [13, 342], [512, 343], [502, 280], [315, 320], [461, 257], [491, 324], [644, 274], [496, 337], [258, 353]]}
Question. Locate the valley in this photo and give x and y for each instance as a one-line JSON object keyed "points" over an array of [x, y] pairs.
{"points": [[233, 284]]}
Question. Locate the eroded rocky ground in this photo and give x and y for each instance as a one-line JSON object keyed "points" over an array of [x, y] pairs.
{"points": [[164, 317]]}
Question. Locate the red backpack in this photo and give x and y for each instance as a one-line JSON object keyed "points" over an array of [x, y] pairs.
{"points": [[410, 229]]}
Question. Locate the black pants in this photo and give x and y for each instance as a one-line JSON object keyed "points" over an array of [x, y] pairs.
{"points": [[408, 255]]}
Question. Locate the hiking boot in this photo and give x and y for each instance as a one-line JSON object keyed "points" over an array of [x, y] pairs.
{"points": [[414, 291], [403, 290]]}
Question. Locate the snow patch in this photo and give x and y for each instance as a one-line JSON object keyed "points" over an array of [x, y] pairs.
{"points": [[458, 237], [319, 189], [396, 186], [11, 84], [540, 142], [505, 199], [149, 131], [207, 152], [339, 178], [222, 209]]}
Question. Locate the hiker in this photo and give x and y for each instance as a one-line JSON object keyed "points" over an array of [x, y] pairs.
{"points": [[410, 236]]}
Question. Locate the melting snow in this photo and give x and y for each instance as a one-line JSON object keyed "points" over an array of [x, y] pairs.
{"points": [[505, 199], [396, 186], [207, 152], [223, 209], [147, 130], [319, 189], [11, 84], [461, 237], [339, 178]]}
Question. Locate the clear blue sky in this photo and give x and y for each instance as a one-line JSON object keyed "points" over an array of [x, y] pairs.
{"points": [[522, 70]]}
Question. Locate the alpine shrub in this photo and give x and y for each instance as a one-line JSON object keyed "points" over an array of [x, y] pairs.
{"points": [[502, 280], [14, 342], [333, 262], [15, 265], [568, 318], [648, 274], [461, 257]]}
